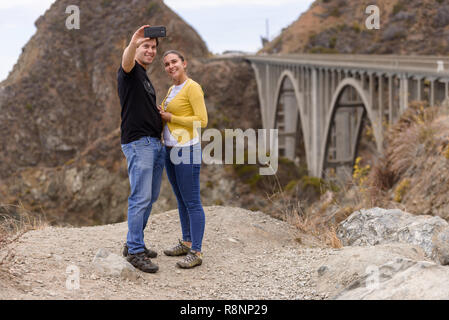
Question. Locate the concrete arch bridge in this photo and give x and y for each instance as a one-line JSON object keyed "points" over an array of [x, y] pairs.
{"points": [[321, 103]]}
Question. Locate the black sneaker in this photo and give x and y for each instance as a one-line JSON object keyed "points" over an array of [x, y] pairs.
{"points": [[142, 262], [149, 253]]}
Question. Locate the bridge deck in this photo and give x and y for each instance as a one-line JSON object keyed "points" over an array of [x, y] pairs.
{"points": [[437, 66]]}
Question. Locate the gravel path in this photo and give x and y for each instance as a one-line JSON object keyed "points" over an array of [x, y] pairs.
{"points": [[248, 255]]}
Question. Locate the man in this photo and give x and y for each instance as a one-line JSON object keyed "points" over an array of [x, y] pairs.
{"points": [[141, 131]]}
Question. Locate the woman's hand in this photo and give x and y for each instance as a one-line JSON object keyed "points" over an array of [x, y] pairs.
{"points": [[166, 116]]}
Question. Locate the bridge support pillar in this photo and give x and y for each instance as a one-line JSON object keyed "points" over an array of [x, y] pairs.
{"points": [[432, 92], [390, 99], [290, 120], [381, 106], [403, 94], [316, 128]]}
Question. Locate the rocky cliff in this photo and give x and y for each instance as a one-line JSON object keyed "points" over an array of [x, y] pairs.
{"points": [[338, 26], [59, 143], [61, 94]]}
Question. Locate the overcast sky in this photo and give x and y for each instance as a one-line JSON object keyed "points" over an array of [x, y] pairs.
{"points": [[223, 24]]}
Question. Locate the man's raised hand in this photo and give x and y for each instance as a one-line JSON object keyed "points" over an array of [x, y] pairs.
{"points": [[139, 36], [128, 59]]}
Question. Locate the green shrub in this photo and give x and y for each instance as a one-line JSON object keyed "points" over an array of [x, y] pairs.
{"points": [[319, 185], [401, 190], [398, 7], [323, 50], [106, 3], [335, 12], [333, 42], [356, 27], [291, 185], [254, 180], [152, 8]]}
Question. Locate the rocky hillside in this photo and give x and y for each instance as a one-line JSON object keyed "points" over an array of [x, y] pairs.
{"points": [[414, 171], [60, 147], [338, 26]]}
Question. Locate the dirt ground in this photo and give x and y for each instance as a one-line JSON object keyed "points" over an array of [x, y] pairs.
{"points": [[247, 255]]}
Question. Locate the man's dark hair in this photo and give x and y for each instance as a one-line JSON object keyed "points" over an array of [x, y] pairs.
{"points": [[157, 40]]}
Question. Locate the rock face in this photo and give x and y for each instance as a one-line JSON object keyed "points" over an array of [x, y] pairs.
{"points": [[110, 264], [62, 93], [378, 226], [60, 113], [93, 188], [338, 26]]}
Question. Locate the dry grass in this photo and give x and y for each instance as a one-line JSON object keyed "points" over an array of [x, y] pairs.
{"points": [[421, 134], [15, 220], [314, 220], [320, 227], [412, 136], [319, 219], [415, 157]]}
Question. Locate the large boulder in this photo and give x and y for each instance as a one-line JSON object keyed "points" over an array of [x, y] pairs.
{"points": [[401, 279], [379, 226], [348, 266], [110, 264]]}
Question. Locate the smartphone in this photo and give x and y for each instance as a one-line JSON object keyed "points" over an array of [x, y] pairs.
{"points": [[155, 32]]}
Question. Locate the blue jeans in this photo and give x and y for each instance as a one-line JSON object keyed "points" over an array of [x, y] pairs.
{"points": [[145, 158], [184, 176]]}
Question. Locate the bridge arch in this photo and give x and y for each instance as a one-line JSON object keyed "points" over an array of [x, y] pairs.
{"points": [[367, 111], [295, 127], [262, 97]]}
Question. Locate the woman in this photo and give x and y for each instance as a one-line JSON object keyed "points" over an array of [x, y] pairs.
{"points": [[183, 110]]}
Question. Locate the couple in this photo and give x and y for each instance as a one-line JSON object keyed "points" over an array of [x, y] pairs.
{"points": [[143, 125]]}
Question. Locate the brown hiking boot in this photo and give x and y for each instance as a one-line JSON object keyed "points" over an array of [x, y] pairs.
{"points": [[179, 250], [148, 252], [142, 262], [192, 260]]}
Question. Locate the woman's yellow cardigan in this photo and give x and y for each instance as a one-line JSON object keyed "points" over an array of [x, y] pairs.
{"points": [[186, 108]]}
